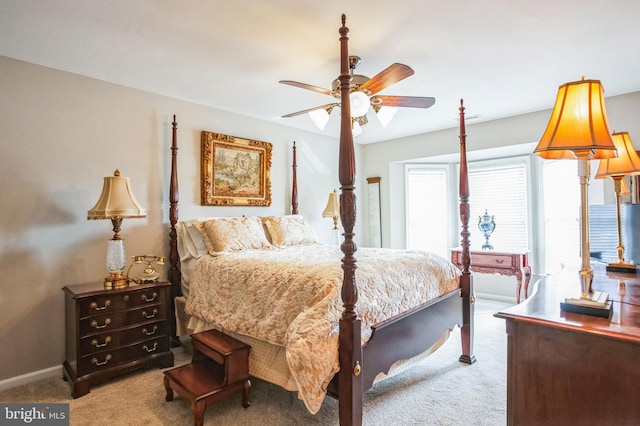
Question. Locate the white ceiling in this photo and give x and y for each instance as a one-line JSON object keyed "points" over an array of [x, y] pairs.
{"points": [[504, 57]]}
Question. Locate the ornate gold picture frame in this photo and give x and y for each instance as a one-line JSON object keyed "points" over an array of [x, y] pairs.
{"points": [[235, 171]]}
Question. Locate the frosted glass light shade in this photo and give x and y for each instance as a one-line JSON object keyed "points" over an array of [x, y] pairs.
{"points": [[385, 114], [320, 117], [356, 129], [359, 103]]}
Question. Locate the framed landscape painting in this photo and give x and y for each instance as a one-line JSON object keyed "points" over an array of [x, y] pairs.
{"points": [[235, 171]]}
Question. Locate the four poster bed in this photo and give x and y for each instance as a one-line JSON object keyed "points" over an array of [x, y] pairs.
{"points": [[324, 344]]}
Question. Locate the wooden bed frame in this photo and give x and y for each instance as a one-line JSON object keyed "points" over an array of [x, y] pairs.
{"points": [[400, 337]]}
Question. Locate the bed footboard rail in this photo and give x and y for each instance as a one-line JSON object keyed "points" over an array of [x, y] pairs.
{"points": [[409, 334]]}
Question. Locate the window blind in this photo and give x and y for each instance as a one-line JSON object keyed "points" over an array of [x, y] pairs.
{"points": [[501, 191]]}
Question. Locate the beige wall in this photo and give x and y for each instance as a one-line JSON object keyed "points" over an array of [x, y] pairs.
{"points": [[61, 134]]}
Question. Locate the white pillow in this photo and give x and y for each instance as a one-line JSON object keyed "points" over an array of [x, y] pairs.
{"points": [[190, 241], [289, 230], [227, 234]]}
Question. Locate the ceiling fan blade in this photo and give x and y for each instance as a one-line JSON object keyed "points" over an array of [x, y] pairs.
{"points": [[327, 107], [404, 101], [307, 86], [385, 78]]}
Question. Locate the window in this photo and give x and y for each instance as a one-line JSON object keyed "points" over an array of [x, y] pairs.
{"points": [[502, 187], [561, 197], [427, 208], [499, 187]]}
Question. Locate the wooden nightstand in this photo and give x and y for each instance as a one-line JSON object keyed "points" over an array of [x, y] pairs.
{"points": [[515, 263], [109, 332]]}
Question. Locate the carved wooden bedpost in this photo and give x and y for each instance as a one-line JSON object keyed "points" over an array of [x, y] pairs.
{"points": [[466, 280], [174, 258], [349, 379], [294, 183]]}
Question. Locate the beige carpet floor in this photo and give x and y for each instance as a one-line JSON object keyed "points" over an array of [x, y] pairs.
{"points": [[437, 391]]}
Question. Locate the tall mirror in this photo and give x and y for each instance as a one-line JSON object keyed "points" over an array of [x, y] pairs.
{"points": [[375, 227]]}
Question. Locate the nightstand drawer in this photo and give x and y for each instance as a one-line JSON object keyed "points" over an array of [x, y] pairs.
{"points": [[107, 359], [493, 260], [106, 322], [119, 301], [109, 340]]}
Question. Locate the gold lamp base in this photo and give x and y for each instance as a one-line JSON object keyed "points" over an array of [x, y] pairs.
{"points": [[596, 303], [624, 267], [116, 281]]}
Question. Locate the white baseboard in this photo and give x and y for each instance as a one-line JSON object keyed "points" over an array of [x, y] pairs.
{"points": [[35, 376], [498, 297]]}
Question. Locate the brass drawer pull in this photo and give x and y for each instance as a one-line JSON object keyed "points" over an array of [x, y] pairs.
{"points": [[94, 323], [144, 314], [94, 305], [95, 343], [500, 261], [155, 346], [150, 333], [106, 360], [144, 297]]}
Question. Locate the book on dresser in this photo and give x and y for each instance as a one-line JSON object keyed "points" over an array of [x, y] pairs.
{"points": [[110, 332]]}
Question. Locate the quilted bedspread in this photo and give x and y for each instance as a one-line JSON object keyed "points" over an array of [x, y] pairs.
{"points": [[291, 297]]}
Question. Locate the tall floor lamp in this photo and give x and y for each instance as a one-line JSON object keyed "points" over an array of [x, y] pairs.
{"points": [[579, 130], [627, 164]]}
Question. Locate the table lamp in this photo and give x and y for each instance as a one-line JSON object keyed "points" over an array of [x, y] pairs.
{"points": [[116, 203], [626, 164], [579, 130], [333, 208]]}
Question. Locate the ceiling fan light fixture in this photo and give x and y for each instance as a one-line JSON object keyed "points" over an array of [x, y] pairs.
{"points": [[359, 103], [385, 114], [356, 129], [320, 117]]}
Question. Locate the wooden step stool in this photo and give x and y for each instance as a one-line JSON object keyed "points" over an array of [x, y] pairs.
{"points": [[219, 369]]}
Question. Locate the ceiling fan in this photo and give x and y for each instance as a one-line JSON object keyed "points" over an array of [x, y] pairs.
{"points": [[364, 95]]}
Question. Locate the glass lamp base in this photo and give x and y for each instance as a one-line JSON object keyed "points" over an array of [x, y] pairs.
{"points": [[116, 262]]}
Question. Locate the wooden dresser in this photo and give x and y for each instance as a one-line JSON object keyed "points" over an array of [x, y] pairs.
{"points": [[109, 332], [514, 263], [572, 369]]}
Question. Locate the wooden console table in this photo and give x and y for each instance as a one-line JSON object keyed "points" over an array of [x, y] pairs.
{"points": [[573, 369], [514, 263]]}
